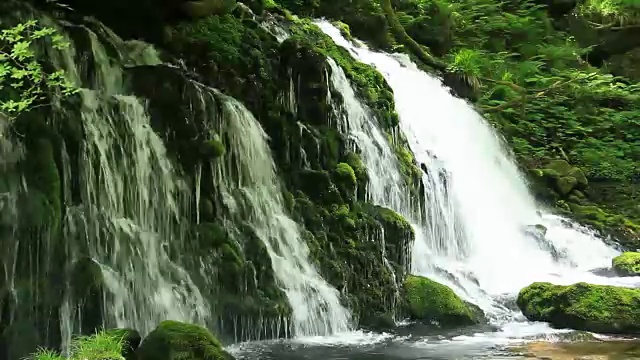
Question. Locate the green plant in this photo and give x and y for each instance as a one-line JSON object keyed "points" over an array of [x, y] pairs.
{"points": [[24, 82], [100, 346]]}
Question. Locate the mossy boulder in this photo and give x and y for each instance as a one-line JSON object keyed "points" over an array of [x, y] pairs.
{"points": [[173, 340], [561, 177], [582, 306], [627, 264], [429, 301]]}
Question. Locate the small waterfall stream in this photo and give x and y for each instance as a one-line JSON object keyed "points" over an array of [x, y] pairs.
{"points": [[251, 192]]}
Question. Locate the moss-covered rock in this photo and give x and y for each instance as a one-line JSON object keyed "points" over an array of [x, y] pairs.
{"points": [[627, 264], [319, 187], [345, 179], [430, 301], [624, 230], [173, 340], [582, 306]]}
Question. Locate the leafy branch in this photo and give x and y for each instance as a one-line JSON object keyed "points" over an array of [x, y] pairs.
{"points": [[24, 83], [526, 94]]}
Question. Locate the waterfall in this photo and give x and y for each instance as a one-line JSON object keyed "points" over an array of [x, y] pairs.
{"points": [[251, 192], [385, 187], [477, 202], [132, 200]]}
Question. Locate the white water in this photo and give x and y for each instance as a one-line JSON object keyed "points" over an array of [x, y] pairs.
{"points": [[132, 201], [477, 201], [252, 192]]}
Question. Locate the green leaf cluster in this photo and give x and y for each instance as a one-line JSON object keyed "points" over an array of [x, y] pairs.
{"points": [[24, 83]]}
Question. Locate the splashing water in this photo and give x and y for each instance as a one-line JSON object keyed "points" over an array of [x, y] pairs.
{"points": [[478, 204]]}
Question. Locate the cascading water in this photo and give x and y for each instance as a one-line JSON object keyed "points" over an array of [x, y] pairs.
{"points": [[132, 200], [477, 203], [251, 192]]}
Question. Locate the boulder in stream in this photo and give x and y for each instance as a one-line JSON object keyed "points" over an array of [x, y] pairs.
{"points": [[582, 306], [429, 301], [627, 264], [173, 340]]}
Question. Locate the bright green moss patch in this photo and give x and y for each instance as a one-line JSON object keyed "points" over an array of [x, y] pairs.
{"points": [[345, 179], [173, 340], [627, 264], [582, 306], [430, 301], [212, 148]]}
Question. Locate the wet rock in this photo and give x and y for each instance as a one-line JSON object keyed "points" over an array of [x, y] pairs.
{"points": [[87, 283], [582, 306], [627, 264], [604, 272]]}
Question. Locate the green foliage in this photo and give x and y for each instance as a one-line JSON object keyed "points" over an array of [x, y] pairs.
{"points": [[620, 11], [100, 346], [539, 93], [24, 83], [597, 308]]}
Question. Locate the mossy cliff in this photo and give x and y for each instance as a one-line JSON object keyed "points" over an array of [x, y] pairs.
{"points": [[324, 179]]}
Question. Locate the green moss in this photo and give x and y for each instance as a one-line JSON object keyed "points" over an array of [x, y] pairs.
{"points": [[344, 172], [358, 167], [597, 308], [579, 175], [565, 184], [318, 186], [212, 148], [368, 82], [365, 17], [627, 264], [408, 167], [626, 231], [430, 301], [173, 340], [561, 167], [345, 179]]}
